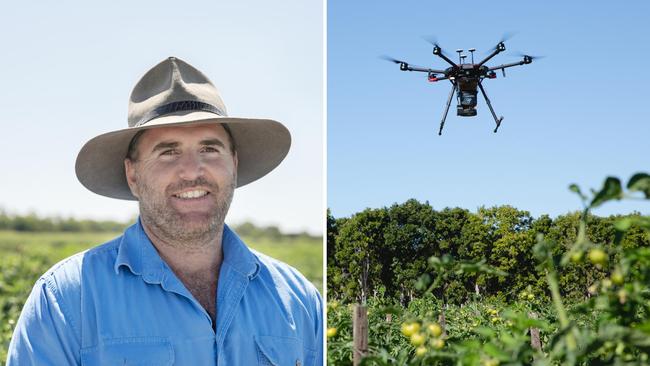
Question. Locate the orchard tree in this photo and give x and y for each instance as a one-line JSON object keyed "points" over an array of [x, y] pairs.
{"points": [[359, 254]]}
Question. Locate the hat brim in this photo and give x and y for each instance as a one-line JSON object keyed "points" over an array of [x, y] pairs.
{"points": [[261, 145]]}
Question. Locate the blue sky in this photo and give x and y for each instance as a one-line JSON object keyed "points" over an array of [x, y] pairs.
{"points": [[575, 116], [68, 68]]}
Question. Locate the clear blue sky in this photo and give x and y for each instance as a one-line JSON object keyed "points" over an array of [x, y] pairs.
{"points": [[576, 116], [68, 68]]}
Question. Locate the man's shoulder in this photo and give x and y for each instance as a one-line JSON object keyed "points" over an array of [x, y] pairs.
{"points": [[69, 271], [285, 275]]}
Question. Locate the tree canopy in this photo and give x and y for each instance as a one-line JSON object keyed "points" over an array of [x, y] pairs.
{"points": [[383, 251]]}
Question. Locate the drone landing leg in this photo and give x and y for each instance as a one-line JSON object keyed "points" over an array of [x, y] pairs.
{"points": [[444, 116], [497, 120]]}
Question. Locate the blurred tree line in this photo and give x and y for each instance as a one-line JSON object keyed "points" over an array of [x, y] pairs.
{"points": [[382, 252], [273, 233], [34, 223]]}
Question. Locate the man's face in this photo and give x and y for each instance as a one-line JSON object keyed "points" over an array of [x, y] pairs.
{"points": [[184, 178]]}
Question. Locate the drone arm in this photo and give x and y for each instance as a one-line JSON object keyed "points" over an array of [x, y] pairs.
{"points": [[501, 67], [494, 53], [442, 56], [444, 116], [422, 69], [487, 100]]}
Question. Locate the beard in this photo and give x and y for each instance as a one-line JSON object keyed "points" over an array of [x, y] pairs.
{"points": [[189, 229]]}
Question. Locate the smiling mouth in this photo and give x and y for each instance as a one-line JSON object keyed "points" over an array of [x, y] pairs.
{"points": [[193, 194]]}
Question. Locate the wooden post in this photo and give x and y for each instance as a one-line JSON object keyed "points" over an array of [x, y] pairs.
{"points": [[443, 321], [359, 334], [535, 341]]}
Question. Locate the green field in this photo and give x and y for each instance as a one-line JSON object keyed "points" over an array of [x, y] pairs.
{"points": [[24, 256]]}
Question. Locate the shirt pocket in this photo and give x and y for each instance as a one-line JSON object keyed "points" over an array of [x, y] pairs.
{"points": [[283, 351], [134, 351]]}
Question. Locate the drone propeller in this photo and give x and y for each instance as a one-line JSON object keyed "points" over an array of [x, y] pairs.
{"points": [[388, 58], [403, 65], [521, 54], [506, 36], [528, 58], [434, 42]]}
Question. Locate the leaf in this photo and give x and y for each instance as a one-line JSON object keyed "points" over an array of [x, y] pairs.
{"points": [[574, 188], [434, 262], [623, 224], [496, 352], [640, 182], [484, 331], [611, 190], [391, 310], [508, 339], [423, 282]]}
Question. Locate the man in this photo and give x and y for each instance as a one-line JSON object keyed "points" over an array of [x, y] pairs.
{"points": [[178, 287]]}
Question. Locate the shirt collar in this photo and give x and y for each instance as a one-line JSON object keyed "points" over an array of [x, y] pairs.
{"points": [[138, 254], [237, 254]]}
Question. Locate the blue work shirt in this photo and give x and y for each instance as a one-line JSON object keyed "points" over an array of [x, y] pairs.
{"points": [[121, 304]]}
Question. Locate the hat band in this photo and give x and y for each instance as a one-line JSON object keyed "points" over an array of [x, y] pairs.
{"points": [[187, 105]]}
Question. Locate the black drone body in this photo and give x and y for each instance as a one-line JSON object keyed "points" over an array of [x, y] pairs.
{"points": [[466, 79]]}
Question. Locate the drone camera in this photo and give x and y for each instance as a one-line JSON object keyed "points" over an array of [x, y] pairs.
{"points": [[465, 112], [466, 103]]}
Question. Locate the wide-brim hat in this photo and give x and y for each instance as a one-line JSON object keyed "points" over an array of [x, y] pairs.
{"points": [[173, 93]]}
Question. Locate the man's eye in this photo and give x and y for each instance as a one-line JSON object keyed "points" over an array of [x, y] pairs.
{"points": [[209, 149], [169, 152]]}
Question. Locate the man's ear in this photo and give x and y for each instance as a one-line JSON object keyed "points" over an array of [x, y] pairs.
{"points": [[129, 170]]}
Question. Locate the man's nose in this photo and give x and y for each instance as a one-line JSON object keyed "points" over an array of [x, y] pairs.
{"points": [[191, 166]]}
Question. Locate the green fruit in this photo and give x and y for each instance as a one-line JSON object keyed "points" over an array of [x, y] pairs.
{"points": [[437, 343], [622, 296], [417, 339], [617, 278], [408, 329], [597, 256], [576, 257], [606, 284], [421, 351], [435, 329]]}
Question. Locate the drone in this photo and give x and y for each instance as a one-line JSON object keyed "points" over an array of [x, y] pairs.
{"points": [[465, 78]]}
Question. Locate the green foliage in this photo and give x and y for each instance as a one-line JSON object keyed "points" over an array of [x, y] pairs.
{"points": [[385, 250], [609, 258], [34, 223], [478, 330]]}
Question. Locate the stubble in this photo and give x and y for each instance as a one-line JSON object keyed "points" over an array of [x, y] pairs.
{"points": [[188, 231]]}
